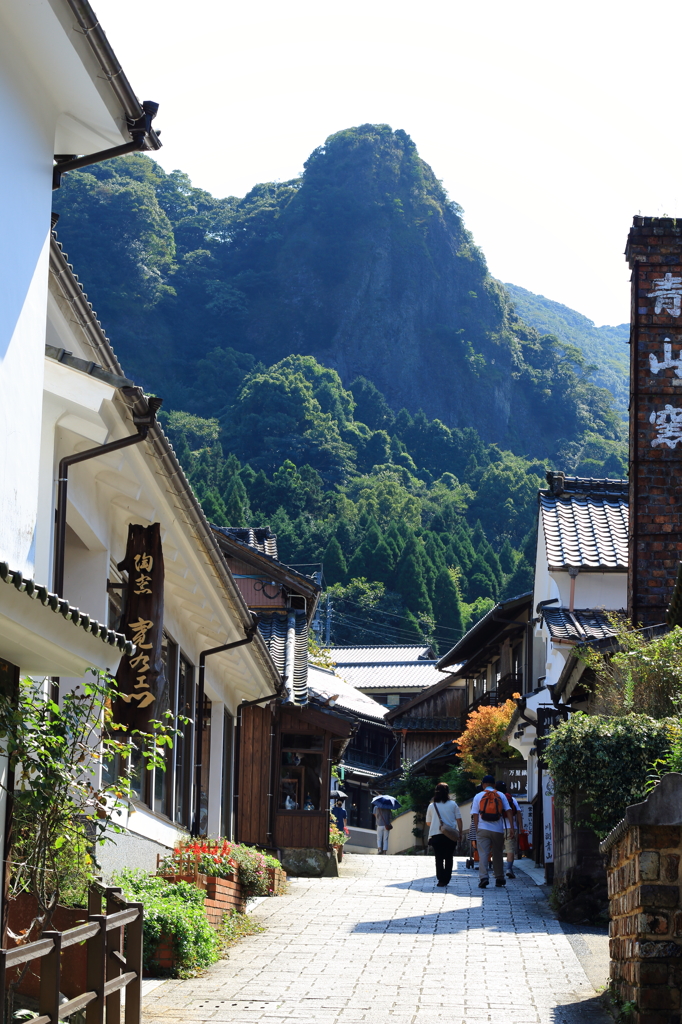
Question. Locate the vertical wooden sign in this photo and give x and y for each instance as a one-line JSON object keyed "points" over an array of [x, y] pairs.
{"points": [[140, 676], [654, 253]]}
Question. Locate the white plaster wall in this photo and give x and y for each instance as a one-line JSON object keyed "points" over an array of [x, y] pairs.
{"points": [[25, 200], [593, 589]]}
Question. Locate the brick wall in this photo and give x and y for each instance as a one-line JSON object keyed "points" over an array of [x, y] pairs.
{"points": [[654, 253], [222, 895], [645, 897]]}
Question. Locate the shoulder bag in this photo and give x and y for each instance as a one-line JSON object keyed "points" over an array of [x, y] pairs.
{"points": [[449, 833]]}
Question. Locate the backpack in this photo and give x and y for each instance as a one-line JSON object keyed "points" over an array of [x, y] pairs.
{"points": [[490, 807]]}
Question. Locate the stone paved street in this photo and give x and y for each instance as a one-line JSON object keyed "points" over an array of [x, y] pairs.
{"points": [[383, 944]]}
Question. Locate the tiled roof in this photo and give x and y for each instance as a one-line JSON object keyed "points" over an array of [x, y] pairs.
{"points": [[595, 486], [585, 532], [380, 654], [62, 607], [273, 628], [426, 724], [325, 684], [579, 625], [260, 538], [393, 676]]}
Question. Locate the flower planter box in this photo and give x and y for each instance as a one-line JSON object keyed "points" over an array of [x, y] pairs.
{"points": [[164, 959], [278, 880]]}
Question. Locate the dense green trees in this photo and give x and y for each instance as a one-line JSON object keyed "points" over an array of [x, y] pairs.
{"points": [[434, 552]]}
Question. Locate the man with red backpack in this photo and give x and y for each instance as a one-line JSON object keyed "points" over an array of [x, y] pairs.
{"points": [[490, 811]]}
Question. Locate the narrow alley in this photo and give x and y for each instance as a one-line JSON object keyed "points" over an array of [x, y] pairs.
{"points": [[382, 943]]}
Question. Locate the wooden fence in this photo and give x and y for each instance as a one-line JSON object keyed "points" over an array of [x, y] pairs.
{"points": [[108, 970]]}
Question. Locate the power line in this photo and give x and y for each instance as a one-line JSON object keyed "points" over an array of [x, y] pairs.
{"points": [[395, 615]]}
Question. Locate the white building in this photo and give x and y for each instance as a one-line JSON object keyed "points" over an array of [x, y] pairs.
{"points": [[64, 393], [580, 576]]}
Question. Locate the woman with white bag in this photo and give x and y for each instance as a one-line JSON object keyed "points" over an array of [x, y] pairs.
{"points": [[445, 830]]}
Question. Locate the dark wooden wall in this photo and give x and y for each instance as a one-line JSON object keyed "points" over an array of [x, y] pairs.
{"points": [[449, 703], [419, 743], [254, 770]]}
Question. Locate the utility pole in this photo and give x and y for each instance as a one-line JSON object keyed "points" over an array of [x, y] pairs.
{"points": [[328, 623], [317, 621]]}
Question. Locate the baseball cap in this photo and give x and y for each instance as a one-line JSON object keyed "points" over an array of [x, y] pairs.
{"points": [[488, 780]]}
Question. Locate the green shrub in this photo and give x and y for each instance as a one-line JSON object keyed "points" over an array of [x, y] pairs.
{"points": [[252, 871], [176, 910], [605, 762]]}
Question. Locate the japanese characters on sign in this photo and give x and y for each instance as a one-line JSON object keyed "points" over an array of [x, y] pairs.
{"points": [[668, 362], [667, 293], [668, 424], [140, 675]]}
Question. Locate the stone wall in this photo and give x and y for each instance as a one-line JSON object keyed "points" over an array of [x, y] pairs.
{"points": [[645, 893], [579, 871]]}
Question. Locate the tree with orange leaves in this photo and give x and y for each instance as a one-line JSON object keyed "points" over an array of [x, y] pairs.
{"points": [[482, 742]]}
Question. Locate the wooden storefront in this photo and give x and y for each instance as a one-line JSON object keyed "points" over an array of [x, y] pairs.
{"points": [[285, 759]]}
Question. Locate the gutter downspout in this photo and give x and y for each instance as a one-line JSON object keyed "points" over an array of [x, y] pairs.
{"points": [[198, 766], [143, 424], [573, 573], [290, 657]]}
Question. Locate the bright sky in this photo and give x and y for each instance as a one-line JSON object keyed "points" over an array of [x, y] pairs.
{"points": [[551, 124]]}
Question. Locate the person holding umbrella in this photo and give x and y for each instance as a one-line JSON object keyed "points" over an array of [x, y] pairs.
{"points": [[381, 809]]}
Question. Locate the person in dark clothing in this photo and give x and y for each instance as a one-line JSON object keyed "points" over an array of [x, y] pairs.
{"points": [[339, 813], [443, 810]]}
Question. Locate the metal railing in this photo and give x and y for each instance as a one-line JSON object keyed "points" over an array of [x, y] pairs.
{"points": [[507, 685], [108, 971]]}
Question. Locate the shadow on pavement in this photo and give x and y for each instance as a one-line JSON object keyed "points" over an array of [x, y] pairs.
{"points": [[588, 1011], [448, 921]]}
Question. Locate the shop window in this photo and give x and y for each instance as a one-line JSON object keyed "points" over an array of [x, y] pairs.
{"points": [[184, 744], [300, 785], [205, 758], [163, 780], [226, 809]]}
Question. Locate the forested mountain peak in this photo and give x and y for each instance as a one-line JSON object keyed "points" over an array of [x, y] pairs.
{"points": [[362, 262], [337, 363]]}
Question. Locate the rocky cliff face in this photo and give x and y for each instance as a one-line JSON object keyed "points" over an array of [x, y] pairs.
{"points": [[377, 276], [362, 262]]}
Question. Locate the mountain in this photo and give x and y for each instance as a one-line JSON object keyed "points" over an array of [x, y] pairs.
{"points": [[606, 348], [362, 262], [337, 363]]}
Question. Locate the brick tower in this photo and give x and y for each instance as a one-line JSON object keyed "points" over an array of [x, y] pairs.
{"points": [[654, 253]]}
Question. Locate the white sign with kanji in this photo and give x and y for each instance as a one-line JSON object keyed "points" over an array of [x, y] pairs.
{"points": [[668, 425], [667, 292], [667, 362]]}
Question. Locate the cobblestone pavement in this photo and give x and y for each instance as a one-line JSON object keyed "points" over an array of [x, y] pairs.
{"points": [[382, 944]]}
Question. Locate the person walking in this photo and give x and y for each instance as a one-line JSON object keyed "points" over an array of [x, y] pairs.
{"points": [[489, 811], [340, 814], [511, 840], [443, 814], [382, 816]]}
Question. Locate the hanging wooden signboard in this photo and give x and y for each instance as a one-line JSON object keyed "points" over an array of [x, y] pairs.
{"points": [[140, 676]]}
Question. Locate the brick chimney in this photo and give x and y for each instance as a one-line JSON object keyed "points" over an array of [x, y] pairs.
{"points": [[654, 253]]}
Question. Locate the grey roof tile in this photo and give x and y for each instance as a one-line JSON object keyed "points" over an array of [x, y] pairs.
{"points": [[59, 605], [585, 532], [395, 675], [260, 538], [580, 625], [273, 629], [381, 654]]}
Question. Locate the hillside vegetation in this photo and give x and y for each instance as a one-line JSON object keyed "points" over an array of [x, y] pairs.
{"points": [[605, 348], [296, 336]]}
